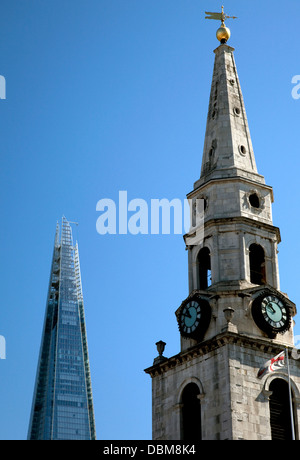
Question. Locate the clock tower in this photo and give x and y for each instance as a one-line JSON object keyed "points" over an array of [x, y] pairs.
{"points": [[235, 317]]}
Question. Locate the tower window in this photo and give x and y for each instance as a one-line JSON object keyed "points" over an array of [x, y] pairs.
{"points": [[257, 264], [280, 414], [204, 268], [191, 413], [254, 200]]}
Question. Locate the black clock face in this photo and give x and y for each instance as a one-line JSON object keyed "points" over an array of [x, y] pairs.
{"points": [[194, 318], [190, 317], [271, 314]]}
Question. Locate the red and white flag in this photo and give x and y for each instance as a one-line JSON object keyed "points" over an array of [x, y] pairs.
{"points": [[274, 364]]}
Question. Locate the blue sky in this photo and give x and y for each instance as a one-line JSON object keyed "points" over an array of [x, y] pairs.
{"points": [[110, 95]]}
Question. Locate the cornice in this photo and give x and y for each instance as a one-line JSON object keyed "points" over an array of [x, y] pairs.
{"points": [[203, 348], [238, 178], [241, 220]]}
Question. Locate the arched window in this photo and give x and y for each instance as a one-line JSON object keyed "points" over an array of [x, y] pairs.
{"points": [[257, 264], [191, 413], [204, 268], [280, 414]]}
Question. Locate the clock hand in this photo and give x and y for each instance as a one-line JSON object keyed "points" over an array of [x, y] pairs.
{"points": [[187, 314], [269, 306]]}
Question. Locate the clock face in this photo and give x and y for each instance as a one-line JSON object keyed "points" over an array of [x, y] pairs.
{"points": [[194, 318], [274, 311], [271, 314], [190, 317]]}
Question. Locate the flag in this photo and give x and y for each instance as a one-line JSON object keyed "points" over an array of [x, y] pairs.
{"points": [[272, 365]]}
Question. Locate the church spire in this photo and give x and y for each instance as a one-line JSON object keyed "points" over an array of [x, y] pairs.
{"points": [[235, 310], [228, 150]]}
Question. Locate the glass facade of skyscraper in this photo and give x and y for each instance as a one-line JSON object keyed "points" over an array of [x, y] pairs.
{"points": [[62, 404]]}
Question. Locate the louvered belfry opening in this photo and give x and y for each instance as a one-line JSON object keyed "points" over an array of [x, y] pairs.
{"points": [[280, 417]]}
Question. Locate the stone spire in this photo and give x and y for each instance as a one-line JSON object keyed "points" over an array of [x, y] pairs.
{"points": [[236, 199], [228, 150]]}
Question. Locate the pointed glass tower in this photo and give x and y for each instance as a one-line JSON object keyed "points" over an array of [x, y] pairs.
{"points": [[62, 405]]}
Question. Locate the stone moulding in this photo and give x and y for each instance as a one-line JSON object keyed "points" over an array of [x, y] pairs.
{"points": [[210, 345]]}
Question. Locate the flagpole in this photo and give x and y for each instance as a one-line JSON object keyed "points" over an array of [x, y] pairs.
{"points": [[290, 394]]}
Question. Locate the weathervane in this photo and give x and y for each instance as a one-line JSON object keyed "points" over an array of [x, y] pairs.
{"points": [[223, 33]]}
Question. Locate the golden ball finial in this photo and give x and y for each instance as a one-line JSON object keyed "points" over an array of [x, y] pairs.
{"points": [[223, 34]]}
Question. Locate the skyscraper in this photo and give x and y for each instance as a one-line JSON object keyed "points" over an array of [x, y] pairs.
{"points": [[62, 406]]}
